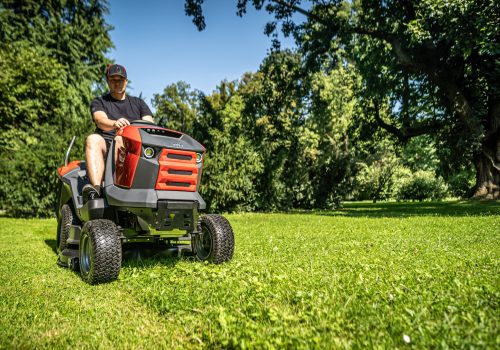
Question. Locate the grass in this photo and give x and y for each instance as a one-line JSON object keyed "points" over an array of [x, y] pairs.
{"points": [[385, 275]]}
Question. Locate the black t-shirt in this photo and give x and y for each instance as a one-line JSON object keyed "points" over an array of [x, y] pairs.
{"points": [[131, 108]]}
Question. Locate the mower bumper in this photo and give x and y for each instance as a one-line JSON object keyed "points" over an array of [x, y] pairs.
{"points": [[148, 198], [172, 215]]}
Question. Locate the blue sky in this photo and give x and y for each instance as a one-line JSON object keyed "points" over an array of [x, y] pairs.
{"points": [[159, 44]]}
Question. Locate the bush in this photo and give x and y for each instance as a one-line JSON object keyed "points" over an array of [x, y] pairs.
{"points": [[28, 165], [40, 113], [376, 180], [460, 184], [421, 185], [230, 171], [377, 172]]}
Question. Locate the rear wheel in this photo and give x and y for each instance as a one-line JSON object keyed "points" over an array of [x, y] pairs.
{"points": [[215, 243], [100, 252], [63, 226]]}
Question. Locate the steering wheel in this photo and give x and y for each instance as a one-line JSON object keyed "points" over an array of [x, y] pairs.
{"points": [[141, 122]]}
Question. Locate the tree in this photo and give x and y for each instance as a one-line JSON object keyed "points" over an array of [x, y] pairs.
{"points": [[232, 164], [274, 118], [274, 140], [73, 31], [332, 106], [51, 55], [177, 107], [431, 66]]}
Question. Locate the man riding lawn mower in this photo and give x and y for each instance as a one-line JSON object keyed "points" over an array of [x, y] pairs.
{"points": [[148, 195]]}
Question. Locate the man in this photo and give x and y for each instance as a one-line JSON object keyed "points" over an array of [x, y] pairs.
{"points": [[110, 112]]}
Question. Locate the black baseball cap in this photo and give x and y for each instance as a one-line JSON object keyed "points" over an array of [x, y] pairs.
{"points": [[117, 69]]}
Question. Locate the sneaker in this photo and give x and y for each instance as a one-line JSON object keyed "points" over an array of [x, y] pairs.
{"points": [[89, 192]]}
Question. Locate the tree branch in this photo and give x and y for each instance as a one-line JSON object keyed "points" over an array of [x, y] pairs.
{"points": [[420, 64], [404, 134], [490, 158], [401, 55], [302, 11], [389, 127]]}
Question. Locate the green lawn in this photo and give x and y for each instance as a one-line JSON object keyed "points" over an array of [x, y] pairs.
{"points": [[388, 275]]}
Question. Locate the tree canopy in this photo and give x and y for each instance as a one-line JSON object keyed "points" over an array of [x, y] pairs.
{"points": [[427, 67], [379, 100]]}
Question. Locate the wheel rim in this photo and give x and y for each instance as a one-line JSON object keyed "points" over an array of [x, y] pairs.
{"points": [[203, 244], [86, 253]]}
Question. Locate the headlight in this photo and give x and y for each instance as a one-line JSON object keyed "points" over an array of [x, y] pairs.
{"points": [[199, 157], [149, 152]]}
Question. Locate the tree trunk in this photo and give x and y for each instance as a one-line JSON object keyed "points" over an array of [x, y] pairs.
{"points": [[487, 161], [487, 164]]}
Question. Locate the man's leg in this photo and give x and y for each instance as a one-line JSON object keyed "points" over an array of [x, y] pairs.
{"points": [[95, 151]]}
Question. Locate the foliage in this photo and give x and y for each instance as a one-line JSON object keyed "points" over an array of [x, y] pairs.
{"points": [[420, 153], [73, 31], [39, 122], [274, 141], [52, 52], [422, 185], [460, 183], [331, 118], [29, 160], [232, 164], [177, 107], [428, 67], [378, 174], [274, 120], [361, 277]]}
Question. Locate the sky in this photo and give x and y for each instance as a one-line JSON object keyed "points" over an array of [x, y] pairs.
{"points": [[159, 45]]}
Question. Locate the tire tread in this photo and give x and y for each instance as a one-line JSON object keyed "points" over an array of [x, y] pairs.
{"points": [[64, 226], [104, 237], [222, 237]]}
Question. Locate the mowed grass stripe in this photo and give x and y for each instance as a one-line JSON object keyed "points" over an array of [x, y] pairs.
{"points": [[372, 275]]}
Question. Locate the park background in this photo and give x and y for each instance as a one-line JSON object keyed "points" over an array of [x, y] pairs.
{"points": [[362, 101], [346, 156]]}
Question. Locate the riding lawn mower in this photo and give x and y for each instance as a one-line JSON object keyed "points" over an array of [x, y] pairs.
{"points": [[150, 197]]}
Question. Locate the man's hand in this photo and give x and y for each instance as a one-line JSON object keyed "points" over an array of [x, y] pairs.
{"points": [[121, 123]]}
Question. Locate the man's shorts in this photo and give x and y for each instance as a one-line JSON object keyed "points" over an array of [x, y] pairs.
{"points": [[108, 144]]}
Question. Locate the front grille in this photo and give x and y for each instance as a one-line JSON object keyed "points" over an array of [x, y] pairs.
{"points": [[178, 184], [178, 170], [179, 156]]}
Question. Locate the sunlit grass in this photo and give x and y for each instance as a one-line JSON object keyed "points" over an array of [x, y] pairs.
{"points": [[382, 275]]}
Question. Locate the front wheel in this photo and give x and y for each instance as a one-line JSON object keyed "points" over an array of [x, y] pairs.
{"points": [[215, 243], [100, 252]]}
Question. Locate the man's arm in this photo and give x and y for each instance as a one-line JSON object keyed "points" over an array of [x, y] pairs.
{"points": [[145, 111], [148, 118], [104, 123]]}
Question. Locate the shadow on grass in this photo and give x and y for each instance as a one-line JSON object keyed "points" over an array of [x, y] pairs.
{"points": [[407, 209], [52, 244], [144, 255]]}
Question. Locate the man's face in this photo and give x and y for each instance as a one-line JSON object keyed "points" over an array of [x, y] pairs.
{"points": [[117, 84]]}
